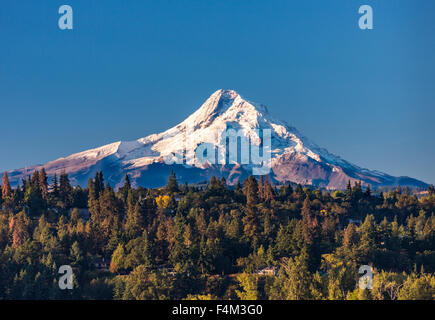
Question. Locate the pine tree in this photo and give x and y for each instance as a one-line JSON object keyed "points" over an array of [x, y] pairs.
{"points": [[76, 256], [399, 190], [307, 222], [368, 192], [350, 236], [348, 194], [368, 232], [238, 189], [268, 193], [124, 190], [99, 183], [6, 188], [260, 189], [34, 196], [431, 190], [299, 190], [285, 191], [35, 181], [43, 184], [134, 223], [127, 183], [20, 225], [172, 185], [55, 191], [147, 252], [178, 251], [251, 224], [65, 190], [250, 189]]}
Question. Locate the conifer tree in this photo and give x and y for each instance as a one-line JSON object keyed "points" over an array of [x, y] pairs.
{"points": [[19, 226], [368, 192], [172, 185], [348, 193], [399, 190], [299, 190], [99, 183], [251, 223], [260, 189], [43, 184], [178, 251], [124, 190], [134, 223], [147, 252], [250, 189], [55, 191], [307, 222], [350, 236], [238, 189], [268, 193], [76, 256], [285, 191], [65, 190], [6, 188]]}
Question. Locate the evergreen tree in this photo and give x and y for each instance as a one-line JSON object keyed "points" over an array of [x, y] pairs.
{"points": [[126, 188], [268, 193], [250, 189], [251, 224], [307, 222], [299, 190], [65, 190], [55, 191], [76, 256], [134, 221], [178, 254], [260, 189], [99, 184], [350, 236], [43, 184], [348, 193], [6, 188], [172, 185], [368, 192], [285, 191], [399, 190], [431, 190]]}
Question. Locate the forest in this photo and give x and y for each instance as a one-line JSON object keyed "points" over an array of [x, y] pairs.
{"points": [[252, 241]]}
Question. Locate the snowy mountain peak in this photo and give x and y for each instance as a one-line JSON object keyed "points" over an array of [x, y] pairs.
{"points": [[205, 134], [223, 102]]}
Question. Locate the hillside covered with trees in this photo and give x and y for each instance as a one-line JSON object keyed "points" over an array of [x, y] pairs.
{"points": [[254, 241]]}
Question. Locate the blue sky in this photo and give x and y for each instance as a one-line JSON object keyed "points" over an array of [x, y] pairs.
{"points": [[131, 68]]}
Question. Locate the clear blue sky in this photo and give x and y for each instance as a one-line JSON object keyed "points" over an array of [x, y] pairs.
{"points": [[131, 68]]}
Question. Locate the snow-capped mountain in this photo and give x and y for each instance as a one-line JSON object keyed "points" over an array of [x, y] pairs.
{"points": [[222, 138]]}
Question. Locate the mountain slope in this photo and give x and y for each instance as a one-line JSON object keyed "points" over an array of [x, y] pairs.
{"points": [[200, 147]]}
